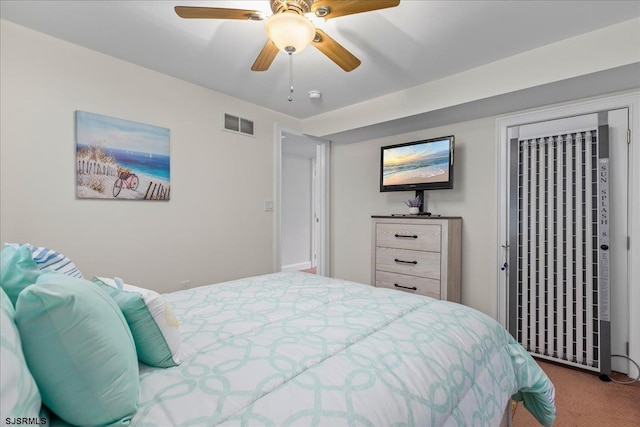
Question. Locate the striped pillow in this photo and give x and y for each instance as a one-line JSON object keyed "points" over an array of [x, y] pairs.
{"points": [[50, 260]]}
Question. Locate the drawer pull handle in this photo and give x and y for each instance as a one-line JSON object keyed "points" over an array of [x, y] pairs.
{"points": [[399, 261], [405, 287], [406, 236]]}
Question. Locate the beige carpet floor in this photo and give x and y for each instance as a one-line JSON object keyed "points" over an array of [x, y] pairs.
{"points": [[582, 400]]}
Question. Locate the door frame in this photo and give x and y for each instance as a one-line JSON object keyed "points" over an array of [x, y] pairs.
{"points": [[323, 152], [630, 100]]}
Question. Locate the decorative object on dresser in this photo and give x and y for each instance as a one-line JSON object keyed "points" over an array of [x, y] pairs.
{"points": [[414, 205], [417, 254]]}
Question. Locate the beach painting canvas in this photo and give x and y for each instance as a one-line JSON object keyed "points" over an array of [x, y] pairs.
{"points": [[121, 159]]}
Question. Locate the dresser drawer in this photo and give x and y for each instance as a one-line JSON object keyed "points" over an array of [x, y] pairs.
{"points": [[413, 263], [412, 284], [409, 236], [417, 252]]}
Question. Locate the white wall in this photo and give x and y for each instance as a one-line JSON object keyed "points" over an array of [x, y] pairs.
{"points": [[356, 196], [213, 229], [607, 48], [296, 212]]}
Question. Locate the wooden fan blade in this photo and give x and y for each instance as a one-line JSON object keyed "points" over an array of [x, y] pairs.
{"points": [[338, 8], [335, 52], [217, 13], [265, 57]]}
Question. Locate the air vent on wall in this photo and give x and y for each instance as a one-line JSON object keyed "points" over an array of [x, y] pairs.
{"points": [[238, 124]]}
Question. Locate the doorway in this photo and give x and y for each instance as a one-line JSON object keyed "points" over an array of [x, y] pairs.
{"points": [[301, 202], [624, 289], [567, 296]]}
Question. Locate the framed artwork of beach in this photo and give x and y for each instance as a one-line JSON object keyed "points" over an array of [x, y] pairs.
{"points": [[121, 159]]}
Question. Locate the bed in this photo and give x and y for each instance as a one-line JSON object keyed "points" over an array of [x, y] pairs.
{"points": [[296, 349], [300, 349]]}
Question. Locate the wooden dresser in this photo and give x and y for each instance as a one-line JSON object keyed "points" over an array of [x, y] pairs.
{"points": [[417, 254]]}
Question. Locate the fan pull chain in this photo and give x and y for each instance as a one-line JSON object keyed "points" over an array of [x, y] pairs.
{"points": [[290, 76]]}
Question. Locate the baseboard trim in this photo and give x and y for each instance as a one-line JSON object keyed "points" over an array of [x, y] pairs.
{"points": [[297, 267]]}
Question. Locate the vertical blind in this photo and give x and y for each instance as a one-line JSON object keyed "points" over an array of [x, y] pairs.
{"points": [[556, 295]]}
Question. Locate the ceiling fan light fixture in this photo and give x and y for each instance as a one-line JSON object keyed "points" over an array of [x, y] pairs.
{"points": [[290, 30]]}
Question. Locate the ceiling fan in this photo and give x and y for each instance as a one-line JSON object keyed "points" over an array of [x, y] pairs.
{"points": [[290, 31]]}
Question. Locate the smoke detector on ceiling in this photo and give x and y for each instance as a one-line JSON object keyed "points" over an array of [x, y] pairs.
{"points": [[315, 94]]}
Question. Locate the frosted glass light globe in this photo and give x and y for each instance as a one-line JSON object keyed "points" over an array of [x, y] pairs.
{"points": [[288, 29]]}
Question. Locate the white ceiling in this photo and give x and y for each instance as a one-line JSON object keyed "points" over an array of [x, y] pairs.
{"points": [[414, 43]]}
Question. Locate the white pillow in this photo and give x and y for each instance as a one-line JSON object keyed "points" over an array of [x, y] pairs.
{"points": [[19, 395], [153, 324]]}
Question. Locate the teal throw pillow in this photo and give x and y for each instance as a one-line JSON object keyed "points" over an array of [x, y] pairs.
{"points": [[153, 324], [19, 395], [17, 270], [80, 351]]}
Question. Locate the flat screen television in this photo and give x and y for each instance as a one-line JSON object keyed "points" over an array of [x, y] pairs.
{"points": [[418, 165]]}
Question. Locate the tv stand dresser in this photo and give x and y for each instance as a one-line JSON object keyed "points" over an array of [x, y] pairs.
{"points": [[417, 254]]}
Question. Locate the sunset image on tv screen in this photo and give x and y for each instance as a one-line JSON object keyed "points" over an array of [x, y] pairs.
{"points": [[416, 164]]}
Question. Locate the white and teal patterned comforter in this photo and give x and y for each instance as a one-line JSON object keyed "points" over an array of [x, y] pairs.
{"points": [[294, 349]]}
